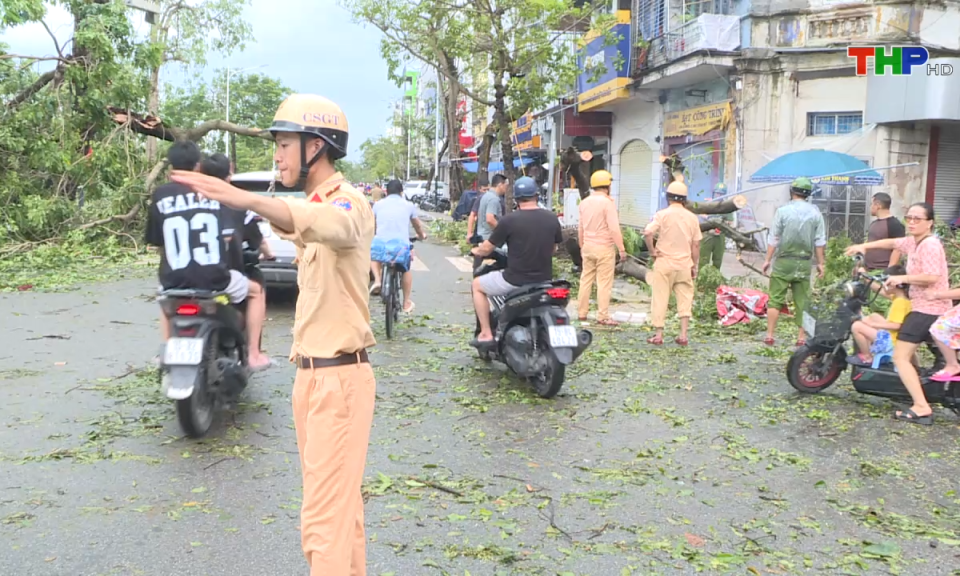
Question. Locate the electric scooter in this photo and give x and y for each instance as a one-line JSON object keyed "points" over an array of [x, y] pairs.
{"points": [[815, 366]]}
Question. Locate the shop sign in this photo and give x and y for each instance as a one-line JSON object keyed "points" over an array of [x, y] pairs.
{"points": [[697, 121]]}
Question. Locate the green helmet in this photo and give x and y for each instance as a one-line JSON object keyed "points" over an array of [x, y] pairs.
{"points": [[802, 186]]}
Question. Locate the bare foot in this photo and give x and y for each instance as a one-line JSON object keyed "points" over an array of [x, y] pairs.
{"points": [[259, 362]]}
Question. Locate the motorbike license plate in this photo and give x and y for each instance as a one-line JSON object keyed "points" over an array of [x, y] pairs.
{"points": [[809, 324], [562, 336], [183, 352]]}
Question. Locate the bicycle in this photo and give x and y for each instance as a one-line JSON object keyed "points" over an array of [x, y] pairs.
{"points": [[391, 287]]}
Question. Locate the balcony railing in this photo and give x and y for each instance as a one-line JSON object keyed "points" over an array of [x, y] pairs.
{"points": [[715, 32]]}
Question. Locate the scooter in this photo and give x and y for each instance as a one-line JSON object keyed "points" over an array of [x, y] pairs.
{"points": [[815, 366], [204, 363], [532, 331]]}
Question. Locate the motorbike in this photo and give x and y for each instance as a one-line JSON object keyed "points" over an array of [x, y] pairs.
{"points": [[818, 364], [203, 364], [532, 331]]}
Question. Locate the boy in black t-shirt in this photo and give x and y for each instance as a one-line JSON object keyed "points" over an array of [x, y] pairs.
{"points": [[188, 230], [240, 228]]}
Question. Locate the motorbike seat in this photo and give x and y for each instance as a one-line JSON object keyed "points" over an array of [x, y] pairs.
{"points": [[528, 288], [190, 293]]}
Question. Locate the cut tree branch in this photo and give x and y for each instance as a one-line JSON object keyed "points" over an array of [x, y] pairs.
{"points": [[726, 206], [132, 213], [149, 125]]}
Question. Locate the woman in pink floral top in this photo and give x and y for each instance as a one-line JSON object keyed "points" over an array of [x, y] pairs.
{"points": [[927, 277]]}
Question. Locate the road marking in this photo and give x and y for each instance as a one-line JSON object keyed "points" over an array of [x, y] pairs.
{"points": [[460, 263], [418, 266]]}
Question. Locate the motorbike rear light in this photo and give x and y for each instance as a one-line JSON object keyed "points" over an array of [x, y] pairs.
{"points": [[187, 332], [188, 310], [558, 293]]}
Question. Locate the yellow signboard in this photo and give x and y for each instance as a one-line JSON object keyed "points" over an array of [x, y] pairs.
{"points": [[533, 143], [697, 121]]}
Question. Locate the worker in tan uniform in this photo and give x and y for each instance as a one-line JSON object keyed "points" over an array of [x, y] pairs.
{"points": [[600, 242], [676, 256], [333, 394]]}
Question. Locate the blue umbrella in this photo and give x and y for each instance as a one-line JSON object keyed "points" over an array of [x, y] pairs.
{"points": [[815, 164]]}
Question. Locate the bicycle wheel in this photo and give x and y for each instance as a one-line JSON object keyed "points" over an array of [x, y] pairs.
{"points": [[389, 301], [397, 295]]}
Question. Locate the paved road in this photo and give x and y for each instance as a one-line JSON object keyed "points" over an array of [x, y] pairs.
{"points": [[653, 461]]}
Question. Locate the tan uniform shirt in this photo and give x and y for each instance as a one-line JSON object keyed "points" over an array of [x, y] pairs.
{"points": [[599, 223], [332, 232], [678, 229]]}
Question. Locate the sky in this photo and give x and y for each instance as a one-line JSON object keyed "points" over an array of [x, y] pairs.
{"points": [[312, 46]]}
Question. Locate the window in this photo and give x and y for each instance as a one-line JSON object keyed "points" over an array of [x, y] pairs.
{"points": [[833, 123]]}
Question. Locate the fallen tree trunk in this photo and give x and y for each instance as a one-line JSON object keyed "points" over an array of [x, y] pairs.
{"points": [[633, 268], [726, 206], [743, 241]]}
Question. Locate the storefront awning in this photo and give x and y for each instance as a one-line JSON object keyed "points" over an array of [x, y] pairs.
{"points": [[495, 166]]}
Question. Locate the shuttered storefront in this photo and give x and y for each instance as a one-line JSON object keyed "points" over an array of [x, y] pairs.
{"points": [[636, 161], [946, 195]]}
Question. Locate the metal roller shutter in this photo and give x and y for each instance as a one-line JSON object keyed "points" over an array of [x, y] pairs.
{"points": [[636, 161], [946, 193]]}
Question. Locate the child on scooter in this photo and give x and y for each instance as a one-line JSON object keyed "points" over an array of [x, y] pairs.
{"points": [[875, 334], [946, 335]]}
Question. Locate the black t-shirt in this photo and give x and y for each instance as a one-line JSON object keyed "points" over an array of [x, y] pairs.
{"points": [[882, 229], [240, 231], [531, 236], [189, 229]]}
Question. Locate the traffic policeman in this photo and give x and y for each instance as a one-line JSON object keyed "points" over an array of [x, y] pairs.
{"points": [[333, 394]]}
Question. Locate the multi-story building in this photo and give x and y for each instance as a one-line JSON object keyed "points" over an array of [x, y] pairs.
{"points": [[729, 85]]}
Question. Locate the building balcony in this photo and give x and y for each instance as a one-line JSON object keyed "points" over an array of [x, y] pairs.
{"points": [[708, 36], [714, 32]]}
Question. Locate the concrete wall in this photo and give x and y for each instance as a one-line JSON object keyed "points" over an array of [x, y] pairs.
{"points": [[635, 119]]}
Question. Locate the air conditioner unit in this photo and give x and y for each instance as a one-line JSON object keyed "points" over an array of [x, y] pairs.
{"points": [[149, 7]]}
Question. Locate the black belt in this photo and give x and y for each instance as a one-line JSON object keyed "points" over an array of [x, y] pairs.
{"points": [[341, 360]]}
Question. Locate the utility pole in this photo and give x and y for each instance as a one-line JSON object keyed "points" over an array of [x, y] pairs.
{"points": [[407, 114], [436, 136], [552, 159]]}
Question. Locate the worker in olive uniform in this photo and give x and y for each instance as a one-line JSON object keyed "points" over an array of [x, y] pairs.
{"points": [[714, 242], [333, 394]]}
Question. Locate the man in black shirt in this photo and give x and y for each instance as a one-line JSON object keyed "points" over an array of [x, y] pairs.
{"points": [[188, 230], [885, 226], [531, 235], [241, 231]]}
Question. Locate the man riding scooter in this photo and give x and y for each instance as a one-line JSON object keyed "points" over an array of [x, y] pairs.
{"points": [[531, 235]]}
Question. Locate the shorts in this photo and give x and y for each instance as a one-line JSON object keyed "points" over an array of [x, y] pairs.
{"points": [[493, 284], [238, 288], [883, 344], [916, 327], [946, 329], [395, 252]]}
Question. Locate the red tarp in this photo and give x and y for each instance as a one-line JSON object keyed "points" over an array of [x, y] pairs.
{"points": [[741, 305]]}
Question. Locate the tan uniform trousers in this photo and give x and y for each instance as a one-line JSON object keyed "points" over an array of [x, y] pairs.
{"points": [[662, 283], [598, 265], [333, 413]]}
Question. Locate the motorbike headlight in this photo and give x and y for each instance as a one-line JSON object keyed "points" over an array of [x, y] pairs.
{"points": [[851, 289]]}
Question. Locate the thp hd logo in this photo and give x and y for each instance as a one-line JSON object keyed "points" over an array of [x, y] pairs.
{"points": [[898, 60]]}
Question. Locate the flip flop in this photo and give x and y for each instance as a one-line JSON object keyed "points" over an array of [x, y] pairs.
{"points": [[483, 344], [655, 340], [410, 311], [800, 343], [682, 341], [608, 322], [943, 376], [909, 415], [769, 341]]}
